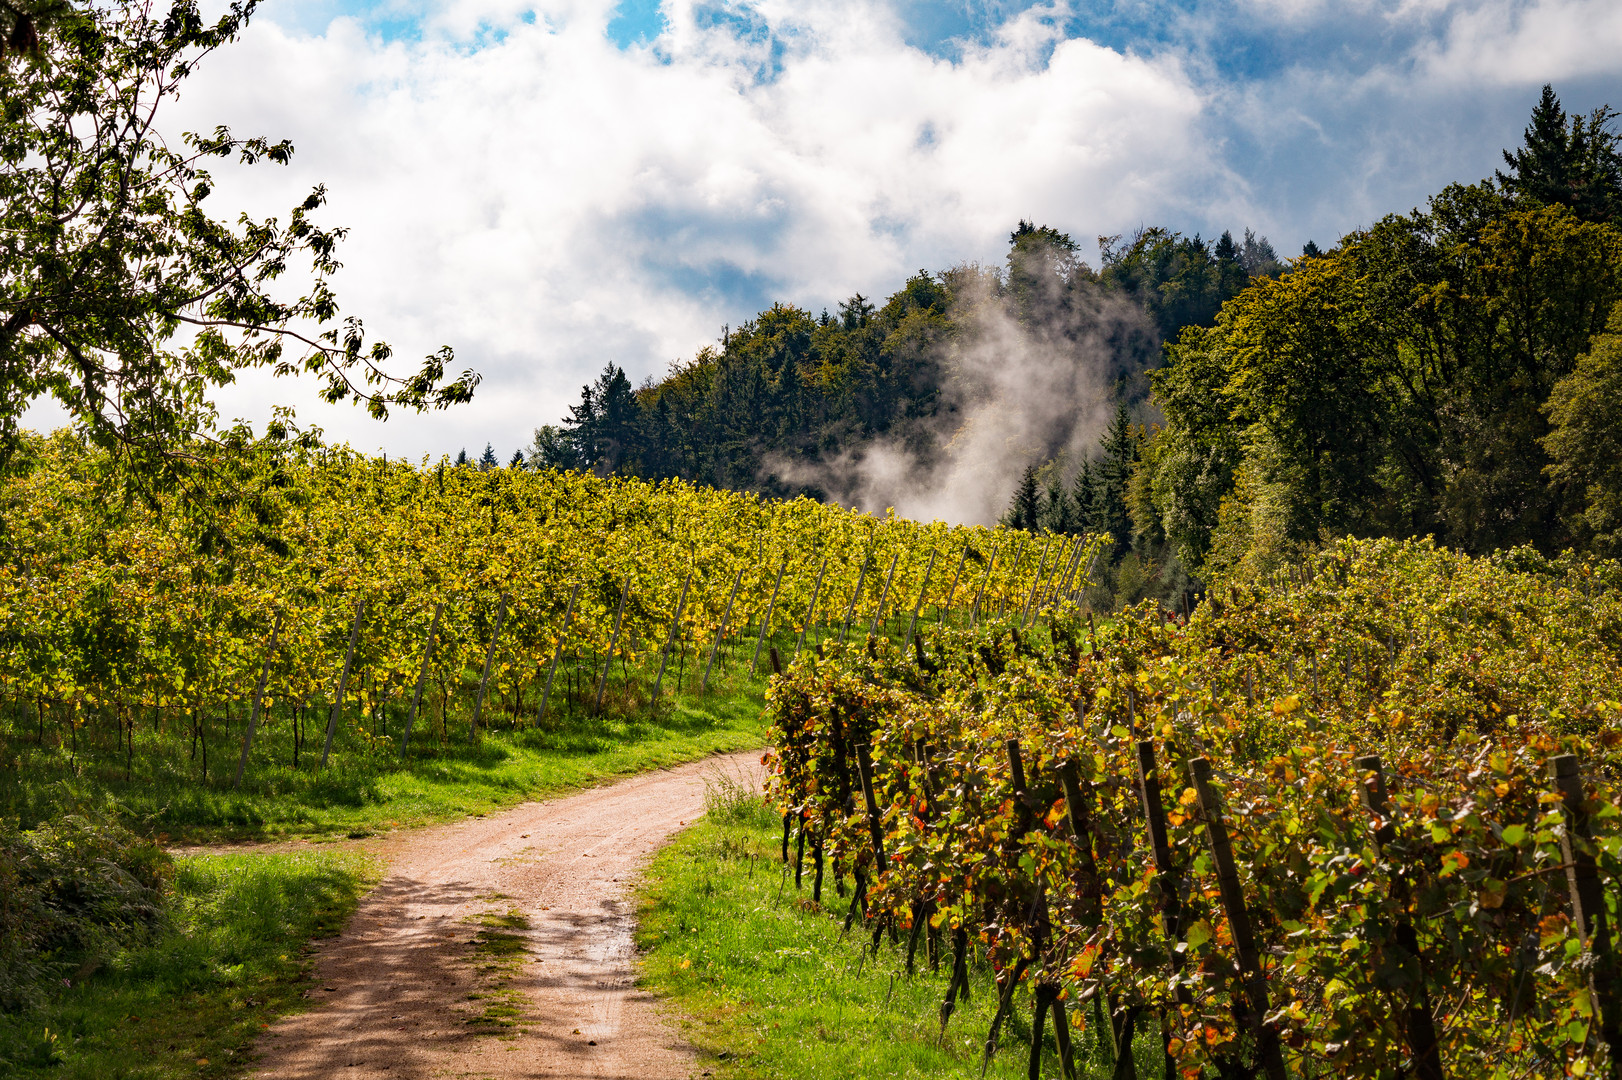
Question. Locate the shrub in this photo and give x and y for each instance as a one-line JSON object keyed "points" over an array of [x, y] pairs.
{"points": [[71, 893]]}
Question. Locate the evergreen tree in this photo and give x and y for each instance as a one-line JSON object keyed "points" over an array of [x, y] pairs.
{"points": [[488, 459], [603, 425], [462, 458], [517, 461], [1058, 510], [1569, 160], [1110, 478], [1026, 509], [1258, 257], [1230, 264], [1310, 250], [1082, 491]]}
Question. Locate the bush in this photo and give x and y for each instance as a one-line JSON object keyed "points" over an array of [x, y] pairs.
{"points": [[71, 893]]}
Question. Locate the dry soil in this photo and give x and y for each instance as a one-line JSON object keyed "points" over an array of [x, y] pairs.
{"points": [[425, 983]]}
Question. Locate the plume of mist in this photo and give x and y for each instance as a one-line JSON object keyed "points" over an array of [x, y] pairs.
{"points": [[1025, 383]]}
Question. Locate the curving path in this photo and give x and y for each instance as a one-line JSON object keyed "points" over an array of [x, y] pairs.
{"points": [[395, 986]]}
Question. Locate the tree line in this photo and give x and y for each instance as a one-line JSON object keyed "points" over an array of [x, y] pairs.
{"points": [[789, 387], [1451, 372]]}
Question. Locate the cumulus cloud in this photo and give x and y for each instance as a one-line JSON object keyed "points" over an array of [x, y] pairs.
{"points": [[521, 188], [1512, 42]]}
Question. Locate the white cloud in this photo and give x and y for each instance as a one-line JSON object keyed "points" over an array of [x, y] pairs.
{"points": [[1505, 42], [522, 189], [546, 202]]}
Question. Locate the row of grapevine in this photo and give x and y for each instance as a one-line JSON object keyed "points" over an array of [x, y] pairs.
{"points": [[1362, 820], [405, 594]]}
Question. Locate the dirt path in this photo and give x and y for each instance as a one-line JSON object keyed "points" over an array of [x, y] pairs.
{"points": [[528, 910]]}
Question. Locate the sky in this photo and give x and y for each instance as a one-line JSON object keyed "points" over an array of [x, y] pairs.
{"points": [[551, 185]]}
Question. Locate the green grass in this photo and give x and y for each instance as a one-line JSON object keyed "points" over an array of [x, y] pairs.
{"points": [[190, 1002], [498, 955], [367, 788], [772, 989]]}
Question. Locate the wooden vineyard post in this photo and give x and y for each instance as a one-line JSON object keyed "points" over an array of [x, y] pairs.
{"points": [[1420, 1026], [875, 820], [1588, 903], [777, 661], [1171, 906], [951, 594], [1080, 815], [258, 696], [850, 609], [1244, 935], [1062, 589], [670, 639], [799, 855], [422, 679], [1045, 995], [557, 654], [884, 597], [613, 644], [720, 631], [1088, 577], [918, 606], [1061, 568], [1056, 576], [1154, 812], [1090, 892], [974, 608], [343, 682], [1036, 583], [811, 610], [489, 660], [766, 622], [1013, 574]]}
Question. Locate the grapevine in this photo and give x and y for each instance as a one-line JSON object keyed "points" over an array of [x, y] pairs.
{"points": [[1331, 825]]}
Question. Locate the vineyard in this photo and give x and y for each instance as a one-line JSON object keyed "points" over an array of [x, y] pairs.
{"points": [[333, 609], [1363, 819]]}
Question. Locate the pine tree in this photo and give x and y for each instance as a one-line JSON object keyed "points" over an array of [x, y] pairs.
{"points": [[462, 458], [1110, 478], [1026, 509], [488, 459], [1258, 256], [1569, 160], [1058, 510], [603, 425], [517, 461], [1082, 491]]}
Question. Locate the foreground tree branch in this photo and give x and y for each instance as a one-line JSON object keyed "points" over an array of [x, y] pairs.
{"points": [[121, 296]]}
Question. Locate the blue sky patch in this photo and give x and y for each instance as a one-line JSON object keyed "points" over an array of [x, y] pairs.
{"points": [[636, 22]]}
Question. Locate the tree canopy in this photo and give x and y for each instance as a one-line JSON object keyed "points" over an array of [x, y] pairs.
{"points": [[1443, 373], [789, 389], [122, 296]]}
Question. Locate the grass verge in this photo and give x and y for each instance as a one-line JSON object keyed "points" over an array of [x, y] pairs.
{"points": [[771, 988], [188, 1003], [366, 792]]}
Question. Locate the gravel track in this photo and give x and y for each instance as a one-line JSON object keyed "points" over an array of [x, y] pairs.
{"points": [[394, 990]]}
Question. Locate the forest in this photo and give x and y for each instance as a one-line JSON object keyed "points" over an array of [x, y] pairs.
{"points": [[1451, 372]]}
